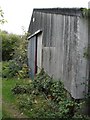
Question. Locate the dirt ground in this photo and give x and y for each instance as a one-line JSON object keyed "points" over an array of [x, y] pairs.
{"points": [[12, 111]]}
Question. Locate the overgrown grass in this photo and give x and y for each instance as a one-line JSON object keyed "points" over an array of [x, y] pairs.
{"points": [[41, 98], [8, 84], [6, 90], [7, 95]]}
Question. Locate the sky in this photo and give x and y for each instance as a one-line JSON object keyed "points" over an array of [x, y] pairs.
{"points": [[18, 12]]}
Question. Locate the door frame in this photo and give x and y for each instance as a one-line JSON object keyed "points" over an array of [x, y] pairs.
{"points": [[37, 33]]}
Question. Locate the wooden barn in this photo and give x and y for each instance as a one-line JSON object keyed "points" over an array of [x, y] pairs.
{"points": [[59, 38]]}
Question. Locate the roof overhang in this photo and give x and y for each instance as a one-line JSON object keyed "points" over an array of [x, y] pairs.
{"points": [[37, 32]]}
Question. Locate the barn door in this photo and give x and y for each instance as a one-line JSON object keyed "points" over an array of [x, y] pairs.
{"points": [[39, 52], [35, 54]]}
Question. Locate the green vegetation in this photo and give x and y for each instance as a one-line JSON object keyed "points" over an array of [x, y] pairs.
{"points": [[41, 98], [8, 97], [10, 101], [2, 20], [85, 12], [14, 55], [7, 85], [8, 44], [9, 69], [14, 67], [86, 53], [45, 97]]}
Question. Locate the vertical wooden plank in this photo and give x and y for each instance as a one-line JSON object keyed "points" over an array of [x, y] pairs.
{"points": [[39, 52], [31, 56]]}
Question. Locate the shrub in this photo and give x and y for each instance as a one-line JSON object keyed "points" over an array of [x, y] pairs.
{"points": [[12, 69], [14, 51], [9, 69], [8, 44], [53, 89], [46, 98], [20, 56], [20, 51], [23, 72]]}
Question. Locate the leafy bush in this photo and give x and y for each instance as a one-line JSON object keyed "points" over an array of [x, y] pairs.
{"points": [[19, 89], [46, 98], [8, 44], [23, 72], [20, 51], [14, 51], [12, 69], [9, 69], [20, 56], [53, 89]]}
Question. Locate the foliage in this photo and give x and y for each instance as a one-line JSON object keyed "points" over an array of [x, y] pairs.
{"points": [[23, 72], [86, 53], [45, 97], [37, 103], [14, 50], [52, 88], [9, 69], [85, 12], [12, 69], [10, 101], [8, 43], [19, 89], [20, 56], [7, 85], [20, 50], [2, 20]]}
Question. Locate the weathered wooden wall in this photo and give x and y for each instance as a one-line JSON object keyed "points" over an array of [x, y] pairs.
{"points": [[31, 56], [65, 38]]}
